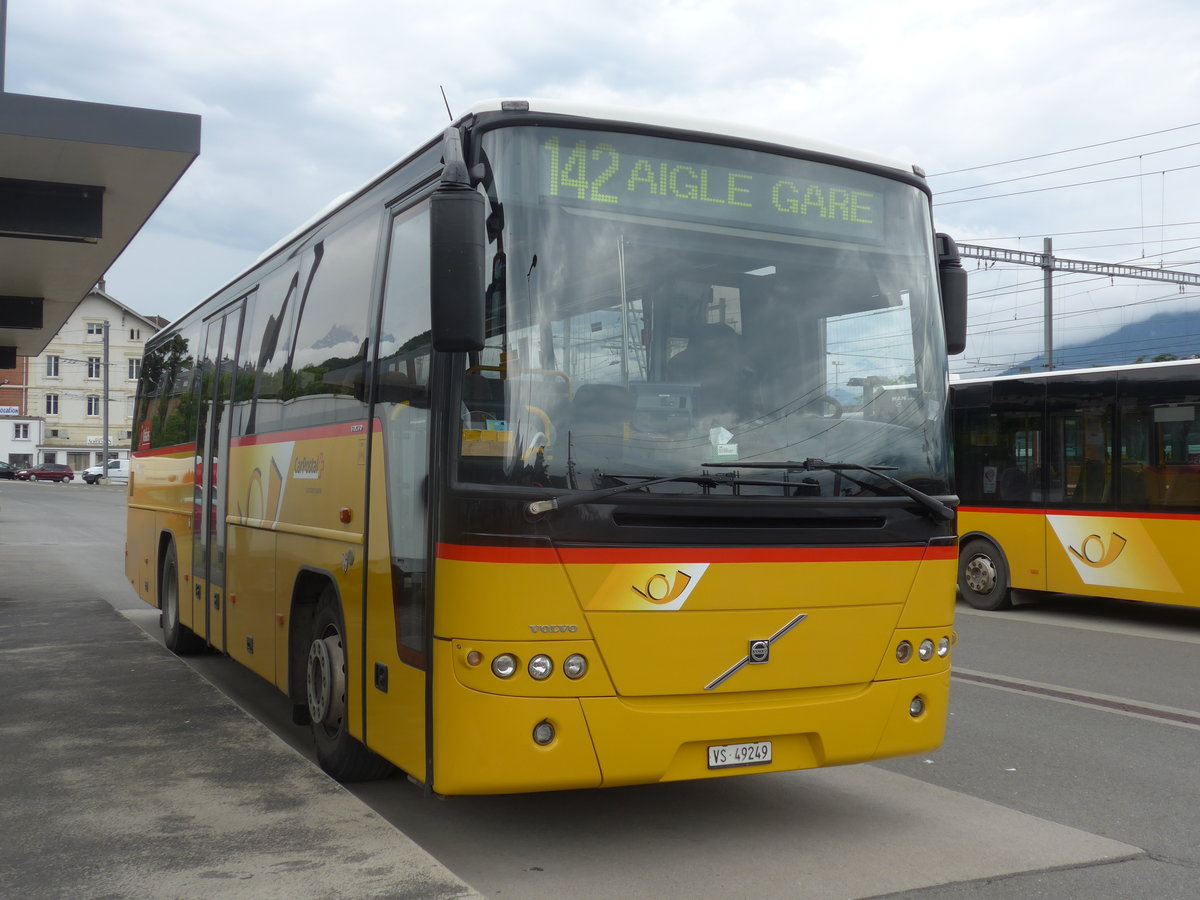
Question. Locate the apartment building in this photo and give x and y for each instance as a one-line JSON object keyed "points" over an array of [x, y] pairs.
{"points": [[52, 408]]}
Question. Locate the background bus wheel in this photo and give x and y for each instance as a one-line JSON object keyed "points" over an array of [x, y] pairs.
{"points": [[983, 576], [339, 754], [179, 639]]}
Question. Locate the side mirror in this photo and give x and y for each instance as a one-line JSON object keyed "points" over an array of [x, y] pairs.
{"points": [[952, 281], [457, 252]]}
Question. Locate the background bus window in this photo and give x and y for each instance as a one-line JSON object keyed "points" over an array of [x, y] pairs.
{"points": [[1160, 438], [999, 444], [1177, 440], [1081, 426]]}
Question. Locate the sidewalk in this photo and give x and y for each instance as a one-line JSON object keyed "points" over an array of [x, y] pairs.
{"points": [[125, 775]]}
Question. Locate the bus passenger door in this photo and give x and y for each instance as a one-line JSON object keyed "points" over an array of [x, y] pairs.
{"points": [[214, 384], [397, 593]]}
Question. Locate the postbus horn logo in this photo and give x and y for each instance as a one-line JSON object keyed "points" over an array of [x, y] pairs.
{"points": [[1092, 551], [661, 591]]}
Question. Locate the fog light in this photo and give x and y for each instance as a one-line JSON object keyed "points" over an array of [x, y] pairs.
{"points": [[916, 707], [943, 646], [904, 651], [543, 733], [504, 665], [540, 667], [474, 658], [575, 666], [925, 651]]}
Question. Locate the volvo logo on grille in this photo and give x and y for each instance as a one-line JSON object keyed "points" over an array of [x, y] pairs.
{"points": [[759, 652]]}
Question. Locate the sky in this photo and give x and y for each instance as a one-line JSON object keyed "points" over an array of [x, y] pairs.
{"points": [[1079, 121]]}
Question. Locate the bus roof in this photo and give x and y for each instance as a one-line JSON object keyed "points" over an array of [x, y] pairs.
{"points": [[686, 123], [1068, 373]]}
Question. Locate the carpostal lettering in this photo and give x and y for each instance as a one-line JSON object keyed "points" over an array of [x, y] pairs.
{"points": [[308, 466], [554, 629], [600, 172]]}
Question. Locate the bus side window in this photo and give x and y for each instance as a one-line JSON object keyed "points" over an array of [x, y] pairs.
{"points": [[271, 331]]}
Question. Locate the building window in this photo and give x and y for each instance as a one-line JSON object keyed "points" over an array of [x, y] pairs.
{"points": [[52, 404], [93, 367], [135, 369], [93, 405], [135, 334], [129, 409], [52, 366], [20, 431], [95, 331]]}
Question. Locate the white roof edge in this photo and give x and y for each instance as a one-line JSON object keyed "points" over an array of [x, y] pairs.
{"points": [[692, 123], [1092, 370]]}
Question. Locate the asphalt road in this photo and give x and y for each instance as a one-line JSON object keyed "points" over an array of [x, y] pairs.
{"points": [[1071, 769]]}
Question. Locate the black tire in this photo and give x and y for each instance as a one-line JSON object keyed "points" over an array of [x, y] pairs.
{"points": [[339, 753], [179, 639], [983, 576]]}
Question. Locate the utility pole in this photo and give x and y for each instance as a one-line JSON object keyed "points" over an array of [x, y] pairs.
{"points": [[1049, 264], [3, 38], [1048, 300], [104, 406]]}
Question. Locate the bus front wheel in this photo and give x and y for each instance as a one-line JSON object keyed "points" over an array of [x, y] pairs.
{"points": [[338, 752], [177, 637], [983, 576]]}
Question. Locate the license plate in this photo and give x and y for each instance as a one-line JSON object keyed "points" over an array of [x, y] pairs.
{"points": [[726, 756]]}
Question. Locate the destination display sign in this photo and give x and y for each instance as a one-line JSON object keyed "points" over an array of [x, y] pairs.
{"points": [[704, 182]]}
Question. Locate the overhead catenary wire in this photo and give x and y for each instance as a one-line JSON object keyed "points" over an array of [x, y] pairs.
{"points": [[1080, 167], [1010, 162], [1059, 187]]}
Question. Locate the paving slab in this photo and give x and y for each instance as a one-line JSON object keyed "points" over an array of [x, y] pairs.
{"points": [[125, 774]]}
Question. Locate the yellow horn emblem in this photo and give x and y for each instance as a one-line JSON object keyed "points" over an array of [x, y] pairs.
{"points": [[1096, 554]]}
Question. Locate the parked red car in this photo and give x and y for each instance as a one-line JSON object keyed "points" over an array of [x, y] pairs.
{"points": [[47, 472]]}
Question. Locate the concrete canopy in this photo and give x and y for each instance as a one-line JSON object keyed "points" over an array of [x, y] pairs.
{"points": [[58, 233]]}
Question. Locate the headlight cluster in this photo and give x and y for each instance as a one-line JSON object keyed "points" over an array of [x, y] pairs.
{"points": [[926, 650], [540, 666]]}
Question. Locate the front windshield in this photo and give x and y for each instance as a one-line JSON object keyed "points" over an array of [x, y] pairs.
{"points": [[656, 304]]}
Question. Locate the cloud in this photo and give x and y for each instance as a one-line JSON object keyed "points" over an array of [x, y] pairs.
{"points": [[305, 100]]}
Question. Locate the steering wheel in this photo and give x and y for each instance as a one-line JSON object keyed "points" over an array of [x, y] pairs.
{"points": [[828, 403]]}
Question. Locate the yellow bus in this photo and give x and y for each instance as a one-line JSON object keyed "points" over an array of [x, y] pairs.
{"points": [[525, 468], [1080, 482]]}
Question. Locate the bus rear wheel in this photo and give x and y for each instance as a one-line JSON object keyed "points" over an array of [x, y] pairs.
{"points": [[338, 752], [983, 576]]}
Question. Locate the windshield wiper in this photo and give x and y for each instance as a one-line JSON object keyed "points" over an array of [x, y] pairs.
{"points": [[932, 504], [537, 507]]}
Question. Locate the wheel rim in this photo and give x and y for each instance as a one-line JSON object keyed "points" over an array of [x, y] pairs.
{"points": [[33, 478], [327, 681], [170, 599], [980, 574]]}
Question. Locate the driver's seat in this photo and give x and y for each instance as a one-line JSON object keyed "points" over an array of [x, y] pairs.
{"points": [[712, 359]]}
